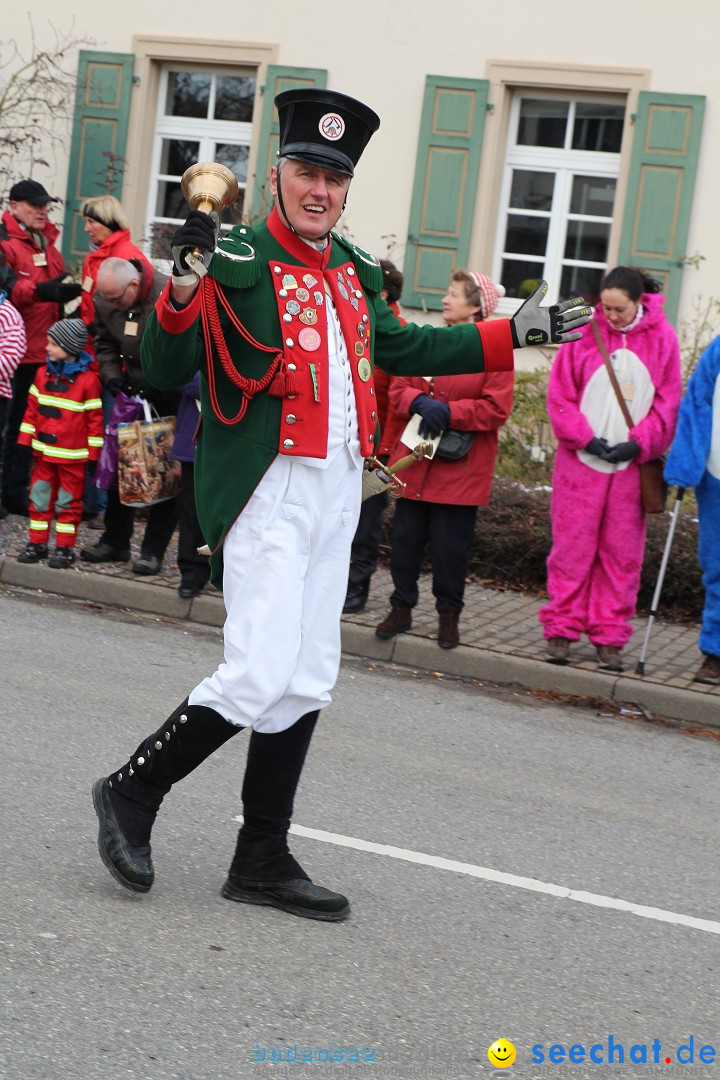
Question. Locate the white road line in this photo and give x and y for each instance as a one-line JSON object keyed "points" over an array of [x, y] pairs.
{"points": [[500, 878]]}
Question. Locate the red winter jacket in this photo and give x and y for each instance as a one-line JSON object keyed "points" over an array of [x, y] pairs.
{"points": [[480, 403], [117, 246], [24, 258], [64, 420]]}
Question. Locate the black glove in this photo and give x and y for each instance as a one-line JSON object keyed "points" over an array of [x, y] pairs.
{"points": [[533, 325], [56, 290], [622, 451], [199, 231], [598, 447], [115, 385], [435, 415]]}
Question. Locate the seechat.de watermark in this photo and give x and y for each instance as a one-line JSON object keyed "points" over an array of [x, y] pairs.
{"points": [[612, 1052]]}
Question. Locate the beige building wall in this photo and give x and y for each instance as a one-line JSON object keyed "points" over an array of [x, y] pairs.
{"points": [[382, 54]]}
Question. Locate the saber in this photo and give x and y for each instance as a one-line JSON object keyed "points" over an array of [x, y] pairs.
{"points": [[640, 666]]}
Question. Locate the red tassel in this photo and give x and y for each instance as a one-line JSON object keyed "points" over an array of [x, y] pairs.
{"points": [[284, 382], [278, 387], [291, 385]]}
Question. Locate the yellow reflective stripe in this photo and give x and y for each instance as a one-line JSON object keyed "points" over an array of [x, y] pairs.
{"points": [[29, 429], [93, 403], [59, 452], [61, 403], [34, 391], [39, 524], [64, 527], [95, 440]]}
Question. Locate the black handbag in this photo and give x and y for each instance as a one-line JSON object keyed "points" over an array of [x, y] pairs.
{"points": [[454, 445]]}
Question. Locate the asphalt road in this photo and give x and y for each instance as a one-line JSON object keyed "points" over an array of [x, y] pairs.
{"points": [[439, 959]]}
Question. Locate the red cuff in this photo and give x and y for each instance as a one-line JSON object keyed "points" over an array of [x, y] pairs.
{"points": [[172, 321], [496, 337]]}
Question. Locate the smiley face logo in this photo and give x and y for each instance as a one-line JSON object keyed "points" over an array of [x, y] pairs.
{"points": [[501, 1054]]}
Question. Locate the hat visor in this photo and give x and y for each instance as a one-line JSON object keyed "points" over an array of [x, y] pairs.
{"points": [[329, 158], [39, 200]]}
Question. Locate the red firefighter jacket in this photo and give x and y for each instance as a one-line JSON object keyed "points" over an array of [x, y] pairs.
{"points": [[64, 419]]}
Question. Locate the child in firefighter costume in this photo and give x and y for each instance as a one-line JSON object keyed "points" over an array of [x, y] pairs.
{"points": [[598, 522], [63, 424], [694, 461], [284, 328]]}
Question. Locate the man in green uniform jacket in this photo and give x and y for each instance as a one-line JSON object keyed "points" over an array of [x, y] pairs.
{"points": [[284, 322]]}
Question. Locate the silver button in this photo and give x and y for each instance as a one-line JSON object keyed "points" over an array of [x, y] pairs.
{"points": [[289, 342], [288, 444], [167, 736], [372, 391], [158, 745], [373, 416], [276, 269], [291, 397], [183, 719], [292, 367], [283, 293], [351, 271], [287, 318], [119, 776], [358, 294], [290, 418], [365, 318], [141, 761]]}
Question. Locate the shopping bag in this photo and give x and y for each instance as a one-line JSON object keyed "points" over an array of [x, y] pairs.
{"points": [[124, 409], [146, 472]]}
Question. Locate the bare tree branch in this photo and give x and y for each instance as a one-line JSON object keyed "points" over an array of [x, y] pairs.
{"points": [[37, 100]]}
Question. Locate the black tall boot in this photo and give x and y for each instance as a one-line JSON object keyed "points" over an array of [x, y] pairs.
{"points": [[127, 801], [263, 871]]}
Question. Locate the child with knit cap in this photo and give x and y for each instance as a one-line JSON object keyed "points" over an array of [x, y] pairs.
{"points": [[63, 424]]}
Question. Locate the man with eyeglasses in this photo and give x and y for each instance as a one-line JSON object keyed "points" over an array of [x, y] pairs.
{"points": [[125, 295]]}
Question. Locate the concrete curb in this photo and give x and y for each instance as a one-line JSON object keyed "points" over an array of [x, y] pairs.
{"points": [[499, 667]]}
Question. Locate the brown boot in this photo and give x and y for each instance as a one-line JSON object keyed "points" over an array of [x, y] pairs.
{"points": [[558, 650], [709, 671], [448, 634], [609, 657], [397, 621]]}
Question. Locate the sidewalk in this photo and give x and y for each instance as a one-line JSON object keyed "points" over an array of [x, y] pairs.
{"points": [[502, 639]]}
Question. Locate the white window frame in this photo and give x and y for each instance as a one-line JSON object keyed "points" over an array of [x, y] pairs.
{"points": [[564, 163], [206, 132]]}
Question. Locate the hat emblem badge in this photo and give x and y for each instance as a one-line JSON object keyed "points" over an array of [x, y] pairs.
{"points": [[331, 126]]}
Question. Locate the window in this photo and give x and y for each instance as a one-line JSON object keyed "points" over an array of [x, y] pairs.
{"points": [[558, 194], [203, 115]]}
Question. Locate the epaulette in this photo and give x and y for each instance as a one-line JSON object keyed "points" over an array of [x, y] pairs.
{"points": [[235, 261], [368, 268]]}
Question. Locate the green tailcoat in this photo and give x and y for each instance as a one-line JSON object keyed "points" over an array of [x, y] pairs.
{"points": [[232, 457]]}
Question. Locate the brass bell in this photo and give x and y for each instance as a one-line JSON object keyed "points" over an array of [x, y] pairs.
{"points": [[209, 186]]}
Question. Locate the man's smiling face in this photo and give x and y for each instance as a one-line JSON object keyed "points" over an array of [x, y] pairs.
{"points": [[313, 197]]}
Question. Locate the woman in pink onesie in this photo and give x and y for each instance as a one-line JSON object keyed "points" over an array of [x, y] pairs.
{"points": [[598, 523]]}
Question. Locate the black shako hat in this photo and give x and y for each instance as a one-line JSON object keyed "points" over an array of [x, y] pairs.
{"points": [[30, 191], [324, 128]]}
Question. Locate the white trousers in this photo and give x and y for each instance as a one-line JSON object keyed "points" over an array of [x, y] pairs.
{"points": [[285, 577]]}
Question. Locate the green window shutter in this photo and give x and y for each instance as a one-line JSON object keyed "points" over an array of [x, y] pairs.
{"points": [[102, 106], [444, 190], [664, 160], [278, 79]]}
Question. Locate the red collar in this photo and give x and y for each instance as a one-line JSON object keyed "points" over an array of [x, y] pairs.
{"points": [[294, 245]]}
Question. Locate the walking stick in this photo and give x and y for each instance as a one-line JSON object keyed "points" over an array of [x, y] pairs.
{"points": [[640, 666]]}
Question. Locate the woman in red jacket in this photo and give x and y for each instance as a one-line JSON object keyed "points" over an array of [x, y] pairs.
{"points": [[441, 496], [109, 231]]}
